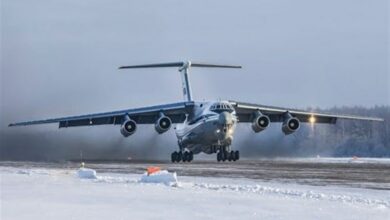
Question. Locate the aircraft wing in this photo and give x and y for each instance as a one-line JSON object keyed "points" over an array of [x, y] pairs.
{"points": [[145, 115], [245, 113]]}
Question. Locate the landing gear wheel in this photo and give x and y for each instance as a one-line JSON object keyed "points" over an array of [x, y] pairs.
{"points": [[237, 155], [219, 157], [229, 156], [186, 157], [174, 157], [224, 156], [232, 156], [179, 156]]}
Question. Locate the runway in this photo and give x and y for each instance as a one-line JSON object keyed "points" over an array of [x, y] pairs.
{"points": [[357, 173]]}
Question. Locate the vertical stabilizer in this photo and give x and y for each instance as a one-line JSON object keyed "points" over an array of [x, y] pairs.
{"points": [[184, 69], [185, 81]]}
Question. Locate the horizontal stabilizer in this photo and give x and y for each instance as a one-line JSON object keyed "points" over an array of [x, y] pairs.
{"points": [[214, 65], [179, 64], [176, 64], [184, 69]]}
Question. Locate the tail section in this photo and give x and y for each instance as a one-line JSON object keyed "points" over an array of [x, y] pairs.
{"points": [[184, 68]]}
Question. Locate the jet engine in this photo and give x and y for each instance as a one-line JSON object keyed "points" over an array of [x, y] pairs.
{"points": [[128, 127], [163, 124], [290, 124], [260, 122]]}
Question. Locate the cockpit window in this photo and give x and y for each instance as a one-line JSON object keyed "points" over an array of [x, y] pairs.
{"points": [[221, 107]]}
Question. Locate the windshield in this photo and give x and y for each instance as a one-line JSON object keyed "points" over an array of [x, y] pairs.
{"points": [[221, 107]]}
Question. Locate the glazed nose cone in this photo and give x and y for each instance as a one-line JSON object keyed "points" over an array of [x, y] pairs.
{"points": [[225, 122], [225, 118]]}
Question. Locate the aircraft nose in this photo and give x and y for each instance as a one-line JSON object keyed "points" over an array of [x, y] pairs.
{"points": [[225, 131], [225, 118]]}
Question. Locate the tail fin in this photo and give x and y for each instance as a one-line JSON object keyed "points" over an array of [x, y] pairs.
{"points": [[184, 69]]}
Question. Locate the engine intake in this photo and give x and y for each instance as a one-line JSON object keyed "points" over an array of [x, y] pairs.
{"points": [[260, 122], [163, 124], [128, 127], [290, 124]]}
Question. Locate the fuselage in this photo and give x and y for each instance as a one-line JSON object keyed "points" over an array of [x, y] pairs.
{"points": [[210, 126]]}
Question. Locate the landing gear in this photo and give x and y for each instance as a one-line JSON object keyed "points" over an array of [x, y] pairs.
{"points": [[176, 157], [230, 156], [237, 155], [179, 156], [188, 156], [219, 156]]}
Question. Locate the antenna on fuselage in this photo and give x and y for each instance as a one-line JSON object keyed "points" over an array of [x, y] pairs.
{"points": [[184, 68]]}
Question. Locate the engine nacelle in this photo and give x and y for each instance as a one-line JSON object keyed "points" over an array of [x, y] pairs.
{"points": [[260, 122], [163, 124], [128, 127], [290, 124]]}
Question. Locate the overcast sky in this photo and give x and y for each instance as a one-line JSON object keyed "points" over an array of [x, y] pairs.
{"points": [[60, 58]]}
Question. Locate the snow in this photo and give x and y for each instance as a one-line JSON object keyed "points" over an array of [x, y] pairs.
{"points": [[32, 172], [318, 159], [61, 194], [304, 194], [85, 173], [162, 176]]}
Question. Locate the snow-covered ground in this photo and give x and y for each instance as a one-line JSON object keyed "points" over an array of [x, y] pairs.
{"points": [[319, 159], [39, 193]]}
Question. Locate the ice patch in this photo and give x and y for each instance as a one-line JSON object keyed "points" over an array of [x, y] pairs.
{"points": [[85, 173], [162, 176]]}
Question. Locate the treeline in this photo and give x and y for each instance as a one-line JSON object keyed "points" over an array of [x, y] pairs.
{"points": [[349, 137]]}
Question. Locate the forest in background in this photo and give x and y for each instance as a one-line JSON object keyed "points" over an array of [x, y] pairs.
{"points": [[348, 137]]}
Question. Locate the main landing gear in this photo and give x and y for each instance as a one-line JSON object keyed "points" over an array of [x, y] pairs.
{"points": [[226, 155], [182, 156]]}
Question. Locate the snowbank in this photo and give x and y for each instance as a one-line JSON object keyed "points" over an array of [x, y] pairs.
{"points": [[85, 173], [162, 176]]}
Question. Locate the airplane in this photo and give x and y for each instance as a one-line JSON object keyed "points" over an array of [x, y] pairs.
{"points": [[201, 126]]}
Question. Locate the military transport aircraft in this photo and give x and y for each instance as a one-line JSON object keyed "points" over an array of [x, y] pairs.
{"points": [[206, 127]]}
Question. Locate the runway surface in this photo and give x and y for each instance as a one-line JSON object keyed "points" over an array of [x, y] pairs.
{"points": [[357, 173]]}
